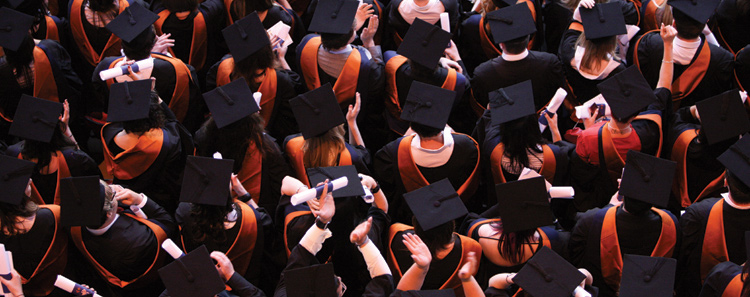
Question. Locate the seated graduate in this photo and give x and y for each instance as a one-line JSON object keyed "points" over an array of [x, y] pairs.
{"points": [[594, 171], [420, 58], [46, 25], [433, 154], [123, 248], [304, 272], [176, 81], [435, 208], [26, 224], [515, 229], [545, 274], [713, 229], [699, 134], [261, 63], [144, 146], [235, 130], [402, 13], [48, 142], [632, 225], [728, 278]]}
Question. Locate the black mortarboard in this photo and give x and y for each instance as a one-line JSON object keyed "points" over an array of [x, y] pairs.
{"points": [[317, 111], [231, 102], [36, 119], [548, 274], [192, 275], [524, 204], [425, 293], [206, 181], [604, 20], [132, 22], [627, 92], [511, 103], [15, 3], [14, 177], [511, 22], [246, 36], [698, 10], [14, 28], [129, 101], [353, 188], [737, 159], [428, 105], [311, 281], [334, 16], [647, 178], [723, 116], [647, 276], [81, 201], [435, 204], [424, 43]]}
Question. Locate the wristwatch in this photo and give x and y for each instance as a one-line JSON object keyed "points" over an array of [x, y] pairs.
{"points": [[319, 223]]}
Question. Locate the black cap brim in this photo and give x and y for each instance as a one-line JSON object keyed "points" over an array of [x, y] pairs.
{"points": [[353, 187], [700, 11], [245, 37], [647, 276], [604, 20], [317, 111], [14, 177], [36, 119], [435, 204], [737, 159], [311, 281], [627, 92], [206, 181], [334, 16], [723, 116], [81, 201], [512, 103], [511, 22], [524, 204], [132, 22], [647, 178], [548, 274], [129, 101], [14, 28], [191, 275], [424, 43], [231, 102], [428, 105]]}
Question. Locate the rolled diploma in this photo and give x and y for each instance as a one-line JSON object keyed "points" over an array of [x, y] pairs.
{"points": [[122, 70], [445, 22], [552, 107], [308, 194], [72, 287], [561, 192], [171, 248]]}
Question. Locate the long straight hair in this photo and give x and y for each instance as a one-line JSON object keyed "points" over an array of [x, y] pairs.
{"points": [[323, 150], [595, 51]]}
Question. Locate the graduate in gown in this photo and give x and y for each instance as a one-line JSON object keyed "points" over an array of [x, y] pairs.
{"points": [[725, 280], [727, 23], [400, 15], [46, 25]]}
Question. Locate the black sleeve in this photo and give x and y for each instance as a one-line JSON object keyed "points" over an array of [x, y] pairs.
{"points": [[299, 258], [82, 165], [211, 75], [158, 215], [72, 88], [386, 170], [495, 292], [577, 242], [243, 288], [568, 45], [381, 285], [380, 224]]}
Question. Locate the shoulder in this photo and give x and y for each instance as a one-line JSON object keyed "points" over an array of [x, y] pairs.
{"points": [[699, 211], [720, 53]]}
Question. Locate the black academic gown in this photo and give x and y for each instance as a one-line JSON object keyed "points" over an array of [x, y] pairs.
{"points": [[720, 279], [730, 25], [397, 27]]}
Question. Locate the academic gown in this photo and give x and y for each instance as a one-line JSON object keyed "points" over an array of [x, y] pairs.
{"points": [[724, 280], [556, 19], [635, 235], [730, 25], [396, 26], [697, 240], [716, 78], [378, 10], [357, 156], [51, 27], [513, 290]]}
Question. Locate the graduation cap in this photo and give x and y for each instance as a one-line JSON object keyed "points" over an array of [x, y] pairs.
{"points": [[737, 159], [698, 10], [435, 204], [428, 105], [723, 116], [14, 177], [311, 281], [604, 20], [246, 36], [192, 275], [129, 101], [81, 201], [647, 276], [334, 16], [36, 119], [317, 111], [206, 181], [425, 293], [14, 28], [511, 103], [231, 102], [511, 22], [424, 43], [132, 22], [353, 188], [647, 178], [15, 3], [549, 275], [627, 92], [524, 204]]}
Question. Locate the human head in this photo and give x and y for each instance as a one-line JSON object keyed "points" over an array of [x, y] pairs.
{"points": [[436, 238], [156, 118], [181, 5], [515, 46], [254, 66], [323, 150], [425, 131], [102, 5], [518, 136], [687, 28], [595, 50], [511, 244], [10, 213], [738, 190], [109, 207], [333, 41], [208, 221], [140, 47], [241, 8]]}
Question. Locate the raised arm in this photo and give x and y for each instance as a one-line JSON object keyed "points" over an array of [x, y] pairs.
{"points": [[414, 277], [666, 71]]}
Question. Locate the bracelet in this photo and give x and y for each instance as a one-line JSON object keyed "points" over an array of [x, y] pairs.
{"points": [[375, 189], [245, 198], [367, 239], [665, 61]]}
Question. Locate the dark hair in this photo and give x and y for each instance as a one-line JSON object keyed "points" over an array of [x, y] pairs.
{"points": [[262, 59], [435, 238], [687, 28], [109, 194], [9, 214], [516, 46], [140, 47], [425, 131], [180, 5], [241, 8], [510, 244], [335, 41], [35, 8], [420, 73], [635, 206], [743, 6], [42, 151], [21, 58], [233, 140], [739, 191], [208, 221], [156, 118], [518, 137], [101, 5]]}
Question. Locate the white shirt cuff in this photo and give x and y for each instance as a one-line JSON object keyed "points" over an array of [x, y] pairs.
{"points": [[376, 265], [314, 238], [143, 202]]}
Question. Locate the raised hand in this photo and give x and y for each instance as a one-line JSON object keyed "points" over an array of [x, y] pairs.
{"points": [[419, 251], [359, 234], [470, 268]]}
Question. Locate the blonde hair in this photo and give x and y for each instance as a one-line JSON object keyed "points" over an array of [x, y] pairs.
{"points": [[595, 51], [323, 150]]}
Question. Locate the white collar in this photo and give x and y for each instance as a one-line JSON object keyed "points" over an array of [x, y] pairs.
{"points": [[687, 44], [232, 216], [605, 72], [431, 158], [510, 57], [347, 49], [101, 231], [728, 200]]}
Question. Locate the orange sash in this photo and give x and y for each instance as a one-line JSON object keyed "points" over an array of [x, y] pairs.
{"points": [[52, 31], [267, 87], [228, 6], [45, 86], [296, 156], [241, 251], [679, 155], [288, 219], [42, 280], [147, 276], [490, 49], [650, 22], [251, 172], [224, 72], [714, 249], [346, 84], [692, 76], [62, 172], [549, 163], [734, 288], [576, 26], [413, 179], [79, 34], [611, 256], [198, 46], [133, 162]]}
